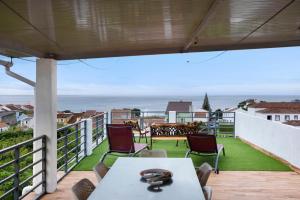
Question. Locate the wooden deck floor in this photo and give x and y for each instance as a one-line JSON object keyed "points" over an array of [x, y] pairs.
{"points": [[226, 185]]}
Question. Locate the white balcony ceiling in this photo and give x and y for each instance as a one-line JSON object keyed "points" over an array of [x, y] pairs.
{"points": [[73, 29]]}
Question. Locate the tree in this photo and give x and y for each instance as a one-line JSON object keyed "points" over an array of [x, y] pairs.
{"points": [[206, 105], [135, 112], [219, 114], [244, 104]]}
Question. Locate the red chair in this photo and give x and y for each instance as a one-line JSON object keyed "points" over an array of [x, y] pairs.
{"points": [[205, 145], [120, 140]]}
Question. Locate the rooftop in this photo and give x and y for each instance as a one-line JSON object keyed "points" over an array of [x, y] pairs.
{"points": [[281, 110], [276, 105], [179, 106]]}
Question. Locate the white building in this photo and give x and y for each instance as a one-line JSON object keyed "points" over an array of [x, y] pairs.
{"points": [[3, 127], [26, 121], [276, 111]]}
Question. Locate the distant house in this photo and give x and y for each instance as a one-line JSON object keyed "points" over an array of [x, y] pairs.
{"points": [[201, 115], [3, 127], [27, 122], [183, 110], [4, 108], [64, 118], [89, 114], [8, 117], [76, 117], [120, 115], [27, 107], [276, 111]]}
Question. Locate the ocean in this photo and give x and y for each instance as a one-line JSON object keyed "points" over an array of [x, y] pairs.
{"points": [[145, 103]]}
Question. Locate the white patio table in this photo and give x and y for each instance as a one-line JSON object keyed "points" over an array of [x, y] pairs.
{"points": [[123, 182]]}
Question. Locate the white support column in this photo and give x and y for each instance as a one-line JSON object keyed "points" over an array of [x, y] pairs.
{"points": [[105, 121], [87, 128], [172, 117], [89, 137], [45, 111]]}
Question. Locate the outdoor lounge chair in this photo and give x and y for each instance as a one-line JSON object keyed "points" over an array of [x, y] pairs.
{"points": [[206, 145], [83, 189], [120, 141], [100, 170], [207, 191], [136, 128], [203, 173]]}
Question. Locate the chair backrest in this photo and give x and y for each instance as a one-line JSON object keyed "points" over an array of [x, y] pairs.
{"points": [[120, 138], [83, 189], [100, 169], [203, 173], [202, 143]]}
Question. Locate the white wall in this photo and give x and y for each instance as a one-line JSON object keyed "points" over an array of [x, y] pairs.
{"points": [[277, 138]]}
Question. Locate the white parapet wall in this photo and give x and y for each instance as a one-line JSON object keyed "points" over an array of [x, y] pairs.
{"points": [[279, 139]]}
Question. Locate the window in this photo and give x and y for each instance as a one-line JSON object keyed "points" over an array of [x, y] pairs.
{"points": [[277, 117], [295, 117], [286, 117], [269, 117]]}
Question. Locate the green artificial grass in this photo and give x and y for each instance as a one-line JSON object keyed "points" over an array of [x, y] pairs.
{"points": [[239, 156]]}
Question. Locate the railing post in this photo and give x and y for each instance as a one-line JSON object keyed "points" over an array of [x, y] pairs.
{"points": [[234, 125], [66, 149], [17, 175], [88, 137], [104, 124], [77, 142], [85, 138], [110, 117], [97, 130], [44, 174]]}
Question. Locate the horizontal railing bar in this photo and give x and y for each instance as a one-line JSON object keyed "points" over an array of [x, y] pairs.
{"points": [[73, 149], [98, 115], [98, 134], [32, 164], [7, 193], [60, 158], [31, 177], [7, 164], [62, 137], [72, 141], [59, 168], [7, 178], [31, 153], [68, 126], [60, 148], [21, 144]]}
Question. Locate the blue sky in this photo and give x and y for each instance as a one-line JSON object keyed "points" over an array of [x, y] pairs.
{"points": [[254, 72]]}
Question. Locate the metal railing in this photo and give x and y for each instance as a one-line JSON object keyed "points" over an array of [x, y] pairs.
{"points": [[145, 118], [71, 147], [99, 123], [72, 142], [20, 162], [218, 122]]}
